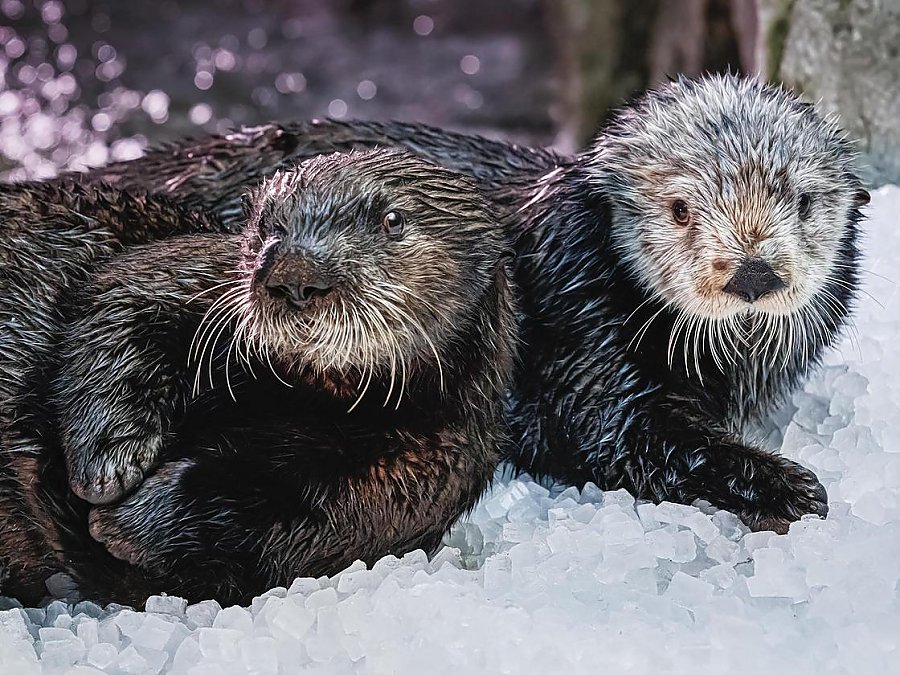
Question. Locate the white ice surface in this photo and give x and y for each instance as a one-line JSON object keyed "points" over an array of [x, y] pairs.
{"points": [[582, 582]]}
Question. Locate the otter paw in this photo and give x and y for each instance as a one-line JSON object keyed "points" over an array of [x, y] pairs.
{"points": [[143, 527], [119, 540], [109, 476], [780, 494]]}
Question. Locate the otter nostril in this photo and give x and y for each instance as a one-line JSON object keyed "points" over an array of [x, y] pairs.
{"points": [[285, 291], [753, 280], [317, 288], [300, 294]]}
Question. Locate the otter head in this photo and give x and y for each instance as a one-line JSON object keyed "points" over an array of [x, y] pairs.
{"points": [[365, 265], [730, 198]]}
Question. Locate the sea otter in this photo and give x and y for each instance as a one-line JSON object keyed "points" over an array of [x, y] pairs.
{"points": [[350, 352]]}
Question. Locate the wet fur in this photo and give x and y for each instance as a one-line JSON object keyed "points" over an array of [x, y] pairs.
{"points": [[51, 237], [254, 482], [619, 383]]}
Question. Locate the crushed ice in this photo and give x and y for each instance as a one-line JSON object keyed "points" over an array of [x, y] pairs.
{"points": [[580, 581]]}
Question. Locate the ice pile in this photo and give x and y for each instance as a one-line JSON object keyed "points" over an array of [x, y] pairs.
{"points": [[539, 580]]}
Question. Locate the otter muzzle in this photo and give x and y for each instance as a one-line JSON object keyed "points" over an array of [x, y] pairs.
{"points": [[298, 281]]}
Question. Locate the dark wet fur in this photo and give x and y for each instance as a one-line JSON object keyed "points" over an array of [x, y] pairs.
{"points": [[51, 237], [282, 482], [585, 406]]}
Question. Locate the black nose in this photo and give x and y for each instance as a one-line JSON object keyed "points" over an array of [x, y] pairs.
{"points": [[299, 292], [754, 279]]}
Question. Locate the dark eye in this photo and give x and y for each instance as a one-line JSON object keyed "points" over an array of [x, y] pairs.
{"points": [[681, 212], [393, 223], [804, 204]]}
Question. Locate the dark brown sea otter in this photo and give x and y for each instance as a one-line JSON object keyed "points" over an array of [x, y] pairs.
{"points": [[351, 349]]}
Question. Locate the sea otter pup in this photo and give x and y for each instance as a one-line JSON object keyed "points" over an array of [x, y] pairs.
{"points": [[678, 278], [351, 350]]}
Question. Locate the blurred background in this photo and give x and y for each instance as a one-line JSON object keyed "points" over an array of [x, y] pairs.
{"points": [[85, 82]]}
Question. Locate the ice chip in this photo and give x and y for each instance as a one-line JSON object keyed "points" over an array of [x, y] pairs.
{"points": [[702, 526], [721, 576], [293, 619], [220, 644], [688, 591], [203, 613], [187, 655], [166, 604], [88, 631], [102, 655], [259, 655], [621, 498], [235, 618], [723, 550], [324, 598], [55, 610], [685, 547], [154, 633], [497, 573], [130, 662]]}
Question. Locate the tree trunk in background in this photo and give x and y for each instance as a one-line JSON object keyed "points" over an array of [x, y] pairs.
{"points": [[587, 36], [846, 53], [610, 50]]}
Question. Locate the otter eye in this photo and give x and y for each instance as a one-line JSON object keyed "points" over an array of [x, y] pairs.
{"points": [[393, 223], [804, 204], [681, 212]]}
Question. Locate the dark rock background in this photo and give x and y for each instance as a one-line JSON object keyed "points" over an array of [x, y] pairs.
{"points": [[83, 82]]}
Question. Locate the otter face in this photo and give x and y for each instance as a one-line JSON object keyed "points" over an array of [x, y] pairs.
{"points": [[365, 263], [729, 197]]}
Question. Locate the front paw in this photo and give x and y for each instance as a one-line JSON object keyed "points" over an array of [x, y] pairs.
{"points": [[778, 493], [148, 523], [120, 537], [108, 475]]}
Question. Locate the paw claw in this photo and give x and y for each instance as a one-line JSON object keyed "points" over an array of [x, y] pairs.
{"points": [[113, 474], [103, 530], [106, 489], [789, 492]]}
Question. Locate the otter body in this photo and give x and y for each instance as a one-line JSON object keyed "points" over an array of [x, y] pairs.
{"points": [[677, 279], [324, 387], [51, 237]]}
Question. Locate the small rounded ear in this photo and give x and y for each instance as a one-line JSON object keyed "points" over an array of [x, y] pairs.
{"points": [[861, 198], [247, 205]]}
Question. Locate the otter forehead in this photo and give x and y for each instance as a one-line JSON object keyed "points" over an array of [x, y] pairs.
{"points": [[728, 135], [339, 188], [332, 185], [298, 205]]}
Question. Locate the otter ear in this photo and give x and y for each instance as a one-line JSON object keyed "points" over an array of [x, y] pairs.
{"points": [[861, 198], [247, 205]]}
